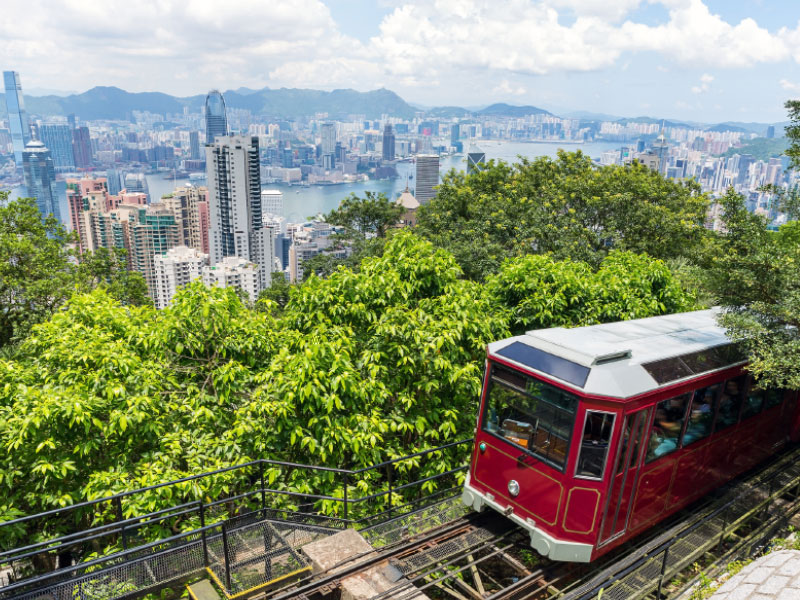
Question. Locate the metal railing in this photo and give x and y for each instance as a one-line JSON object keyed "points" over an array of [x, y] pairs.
{"points": [[261, 490]]}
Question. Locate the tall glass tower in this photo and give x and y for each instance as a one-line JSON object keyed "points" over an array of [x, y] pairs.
{"points": [[216, 121], [17, 116], [40, 178]]}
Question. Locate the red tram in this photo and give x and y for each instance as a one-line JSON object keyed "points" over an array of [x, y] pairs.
{"points": [[588, 436]]}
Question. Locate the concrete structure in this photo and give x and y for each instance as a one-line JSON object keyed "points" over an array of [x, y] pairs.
{"points": [[236, 217], [17, 115], [40, 178], [475, 159], [427, 177], [775, 576], [410, 206], [272, 202], [153, 233], [189, 205], [173, 270], [328, 145], [58, 139], [388, 143], [82, 147], [216, 116], [194, 145], [233, 271]]}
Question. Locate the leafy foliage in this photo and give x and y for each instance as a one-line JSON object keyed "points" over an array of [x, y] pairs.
{"points": [[564, 206]]}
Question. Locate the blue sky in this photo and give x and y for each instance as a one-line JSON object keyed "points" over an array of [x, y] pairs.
{"points": [[700, 60]]}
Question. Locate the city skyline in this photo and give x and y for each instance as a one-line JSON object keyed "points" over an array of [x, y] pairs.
{"points": [[702, 60]]}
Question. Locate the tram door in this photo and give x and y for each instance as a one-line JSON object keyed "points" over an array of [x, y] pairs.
{"points": [[619, 501]]}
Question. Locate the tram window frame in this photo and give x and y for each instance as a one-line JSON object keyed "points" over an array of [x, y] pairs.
{"points": [[752, 389], [722, 395], [583, 446], [714, 389], [521, 387], [650, 455]]}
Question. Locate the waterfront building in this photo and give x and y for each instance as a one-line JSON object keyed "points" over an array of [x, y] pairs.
{"points": [[216, 117], [17, 115], [410, 206], [179, 266], [194, 145], [272, 202], [236, 215], [82, 147], [475, 159], [426, 178], [388, 143], [58, 139], [236, 272], [40, 178]]}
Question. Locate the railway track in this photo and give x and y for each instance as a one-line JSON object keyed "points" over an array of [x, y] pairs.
{"points": [[472, 557]]}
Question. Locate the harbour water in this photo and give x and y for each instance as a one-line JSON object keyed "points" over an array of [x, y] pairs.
{"points": [[302, 202]]}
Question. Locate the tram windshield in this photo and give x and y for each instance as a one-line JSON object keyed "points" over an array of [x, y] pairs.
{"points": [[529, 413]]}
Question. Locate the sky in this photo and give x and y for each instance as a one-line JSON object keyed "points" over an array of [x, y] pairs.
{"points": [[697, 60]]}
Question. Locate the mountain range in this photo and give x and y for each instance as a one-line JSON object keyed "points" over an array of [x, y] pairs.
{"points": [[113, 103]]}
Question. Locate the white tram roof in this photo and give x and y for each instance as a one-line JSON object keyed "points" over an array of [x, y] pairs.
{"points": [[627, 358]]}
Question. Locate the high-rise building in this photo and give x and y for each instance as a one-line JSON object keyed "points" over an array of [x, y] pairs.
{"points": [[328, 145], [82, 147], [427, 177], [58, 139], [189, 206], [236, 272], [236, 215], [771, 131], [388, 143], [179, 266], [216, 117], [17, 115], [154, 233], [475, 159], [272, 202], [115, 181], [40, 178], [194, 145], [71, 121]]}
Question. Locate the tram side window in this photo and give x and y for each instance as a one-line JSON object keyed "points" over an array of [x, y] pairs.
{"points": [[667, 426], [531, 414], [773, 398], [753, 401], [594, 445], [701, 415], [729, 402]]}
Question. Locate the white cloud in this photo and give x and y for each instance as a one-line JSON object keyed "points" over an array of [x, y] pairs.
{"points": [[504, 88], [705, 84], [790, 86]]}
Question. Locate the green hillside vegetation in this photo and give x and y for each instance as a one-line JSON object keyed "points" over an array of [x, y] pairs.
{"points": [[761, 148]]}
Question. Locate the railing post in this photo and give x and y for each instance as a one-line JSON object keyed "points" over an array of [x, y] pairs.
{"points": [[263, 493], [344, 494], [389, 470], [227, 559], [203, 532], [120, 518], [663, 571], [722, 533]]}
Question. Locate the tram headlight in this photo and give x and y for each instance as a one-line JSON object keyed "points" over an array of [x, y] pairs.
{"points": [[513, 488]]}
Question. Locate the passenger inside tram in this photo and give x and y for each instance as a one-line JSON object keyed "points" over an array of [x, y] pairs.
{"points": [[667, 426], [701, 418]]}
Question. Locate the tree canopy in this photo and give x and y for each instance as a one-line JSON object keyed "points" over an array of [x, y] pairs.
{"points": [[565, 206]]}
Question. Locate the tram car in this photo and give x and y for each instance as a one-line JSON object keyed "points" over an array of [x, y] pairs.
{"points": [[587, 437]]}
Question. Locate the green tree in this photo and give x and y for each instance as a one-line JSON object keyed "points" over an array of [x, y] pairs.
{"points": [[36, 268], [277, 295], [793, 131], [565, 206], [110, 269], [365, 217]]}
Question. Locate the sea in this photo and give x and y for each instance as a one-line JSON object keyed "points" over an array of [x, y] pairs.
{"points": [[301, 203]]}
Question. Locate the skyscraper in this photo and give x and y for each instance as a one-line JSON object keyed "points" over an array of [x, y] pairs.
{"points": [[328, 145], [388, 143], [17, 116], [475, 159], [58, 139], [194, 145], [176, 268], [272, 202], [216, 118], [427, 177], [235, 207], [82, 147], [40, 178]]}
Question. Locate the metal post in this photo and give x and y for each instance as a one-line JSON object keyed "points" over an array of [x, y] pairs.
{"points": [[263, 494], [120, 518], [344, 495], [722, 533], [203, 532], [389, 475], [663, 571], [227, 559]]}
